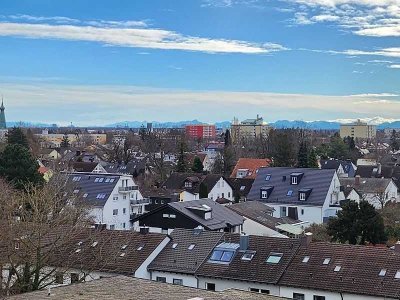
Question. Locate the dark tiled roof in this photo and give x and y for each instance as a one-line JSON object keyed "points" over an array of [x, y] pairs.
{"points": [[128, 288], [87, 185], [177, 181], [252, 164], [135, 166], [318, 180], [81, 166], [182, 260], [260, 213], [238, 183], [335, 163], [367, 185], [106, 256], [222, 217], [358, 274], [366, 171], [257, 269]]}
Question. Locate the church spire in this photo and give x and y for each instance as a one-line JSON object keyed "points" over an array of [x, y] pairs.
{"points": [[2, 115]]}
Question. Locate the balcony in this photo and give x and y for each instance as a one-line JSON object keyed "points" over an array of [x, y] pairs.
{"points": [[140, 201], [127, 189]]}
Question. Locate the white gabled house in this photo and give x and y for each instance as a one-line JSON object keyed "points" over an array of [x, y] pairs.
{"points": [[305, 194]]}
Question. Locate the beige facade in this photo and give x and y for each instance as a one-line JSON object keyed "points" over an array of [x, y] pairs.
{"points": [[249, 129], [75, 139], [359, 130]]}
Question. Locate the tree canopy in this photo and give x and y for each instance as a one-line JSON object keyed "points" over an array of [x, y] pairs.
{"points": [[197, 166], [16, 136]]}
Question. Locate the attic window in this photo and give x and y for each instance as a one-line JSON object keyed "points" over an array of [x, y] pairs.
{"points": [[140, 247], [112, 180], [191, 247], [326, 261], [337, 268], [107, 180], [94, 244], [124, 247], [289, 193], [78, 250], [294, 180], [101, 179], [188, 184], [85, 195], [242, 188], [97, 179], [397, 276], [268, 177], [222, 256], [274, 258], [122, 254], [302, 196], [306, 259], [248, 255], [76, 178], [174, 245], [382, 272], [100, 196]]}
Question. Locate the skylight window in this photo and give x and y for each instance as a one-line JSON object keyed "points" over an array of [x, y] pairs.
{"points": [[78, 250], [85, 195], [124, 247], [248, 255], [337, 268], [96, 179], [76, 191], [326, 261], [382, 272], [289, 193], [191, 247], [224, 256], [274, 258], [397, 276], [268, 177], [140, 247], [242, 188], [101, 179], [112, 180], [122, 254], [95, 244], [306, 259], [174, 245], [107, 180]]}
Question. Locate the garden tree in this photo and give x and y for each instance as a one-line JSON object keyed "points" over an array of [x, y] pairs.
{"points": [[350, 143], [229, 160], [218, 165], [283, 151], [391, 219], [16, 136], [19, 167], [322, 151], [203, 190], [303, 155], [33, 142], [127, 153], [227, 138], [394, 143], [357, 224], [142, 133], [65, 143], [181, 166], [36, 227], [197, 165], [320, 232], [337, 147], [312, 159]]}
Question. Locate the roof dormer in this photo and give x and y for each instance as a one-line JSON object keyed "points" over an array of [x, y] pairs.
{"points": [[296, 177], [266, 191], [304, 194]]}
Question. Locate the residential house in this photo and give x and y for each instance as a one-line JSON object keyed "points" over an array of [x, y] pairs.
{"points": [[46, 173], [115, 199], [88, 167], [311, 195], [241, 187], [204, 158], [190, 214], [133, 167], [159, 196], [344, 168], [49, 154], [259, 220], [248, 167], [178, 262], [377, 191], [216, 186]]}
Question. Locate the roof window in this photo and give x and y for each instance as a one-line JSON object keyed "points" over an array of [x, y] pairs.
{"points": [[397, 276], [268, 177], [326, 261], [140, 248], [191, 247], [94, 244], [306, 259], [124, 247], [248, 255], [274, 258], [337, 268], [220, 255], [289, 193], [382, 272], [242, 188], [174, 245]]}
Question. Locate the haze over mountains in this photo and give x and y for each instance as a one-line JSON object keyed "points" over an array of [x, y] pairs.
{"points": [[315, 125]]}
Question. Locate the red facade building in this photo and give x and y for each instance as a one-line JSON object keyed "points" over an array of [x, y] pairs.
{"points": [[203, 131]]}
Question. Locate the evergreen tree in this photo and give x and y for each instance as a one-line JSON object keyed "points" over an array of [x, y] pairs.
{"points": [[227, 138], [181, 164], [338, 148], [357, 224], [229, 160], [312, 159], [65, 141], [203, 190], [394, 143], [19, 167], [197, 165], [303, 156], [16, 136], [283, 153], [142, 133]]}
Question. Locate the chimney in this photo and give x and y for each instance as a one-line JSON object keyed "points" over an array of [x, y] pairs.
{"points": [[306, 239], [379, 172], [144, 230], [397, 247], [357, 180], [244, 242]]}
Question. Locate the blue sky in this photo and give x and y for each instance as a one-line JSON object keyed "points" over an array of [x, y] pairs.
{"points": [[97, 62]]}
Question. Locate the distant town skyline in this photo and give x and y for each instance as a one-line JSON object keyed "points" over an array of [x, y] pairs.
{"points": [[95, 63]]}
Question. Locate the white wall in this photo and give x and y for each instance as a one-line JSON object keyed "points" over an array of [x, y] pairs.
{"points": [[251, 227], [221, 187], [306, 213], [188, 280]]}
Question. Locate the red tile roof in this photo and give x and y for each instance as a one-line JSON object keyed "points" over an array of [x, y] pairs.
{"points": [[252, 164]]}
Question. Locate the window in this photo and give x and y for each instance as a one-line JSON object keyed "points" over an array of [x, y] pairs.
{"points": [[283, 211], [294, 180], [165, 215], [17, 245], [268, 177], [222, 256], [124, 247], [161, 279], [174, 245], [274, 258], [115, 212], [100, 196], [172, 216], [210, 286], [306, 259], [177, 281], [242, 188], [382, 272], [319, 297], [122, 254], [59, 278], [76, 191], [124, 197], [248, 255], [124, 211], [140, 248], [326, 261], [397, 276], [227, 256], [254, 290], [115, 198], [112, 227], [302, 211], [74, 278], [94, 244], [191, 247], [337, 268], [97, 179], [101, 179], [264, 194], [302, 196], [298, 296], [188, 184], [112, 180], [85, 195], [123, 225]]}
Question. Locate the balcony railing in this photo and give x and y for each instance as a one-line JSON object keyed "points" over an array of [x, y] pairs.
{"points": [[140, 201], [127, 189]]}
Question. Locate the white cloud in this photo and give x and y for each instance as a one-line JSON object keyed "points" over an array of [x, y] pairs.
{"points": [[135, 37], [375, 95], [86, 105], [394, 66]]}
